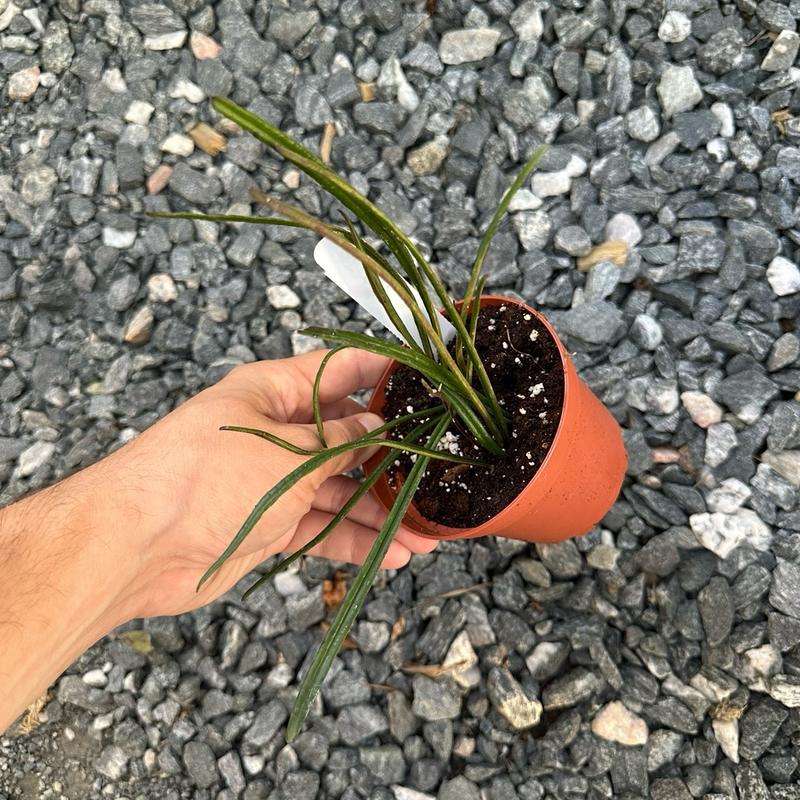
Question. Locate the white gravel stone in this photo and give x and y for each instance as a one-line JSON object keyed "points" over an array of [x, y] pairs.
{"points": [[177, 144], [675, 27], [786, 464], [96, 678], [289, 583], [22, 85], [726, 732], [8, 14], [623, 228], [524, 200], [642, 124], [759, 664], [113, 79], [161, 288], [165, 41], [576, 166], [35, 456], [465, 46], [282, 296], [461, 660], [783, 276], [723, 533], [404, 793], [139, 112], [187, 90], [729, 496], [122, 240], [615, 723], [724, 113], [392, 81], [551, 184], [718, 148], [139, 327], [526, 22], [533, 229], [38, 185], [702, 409], [678, 90]]}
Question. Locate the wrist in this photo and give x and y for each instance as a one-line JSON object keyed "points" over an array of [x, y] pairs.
{"points": [[74, 580]]}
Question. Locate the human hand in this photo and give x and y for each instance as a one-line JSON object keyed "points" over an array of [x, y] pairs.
{"points": [[185, 487]]}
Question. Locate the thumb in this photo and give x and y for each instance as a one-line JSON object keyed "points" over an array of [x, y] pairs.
{"points": [[342, 431]]}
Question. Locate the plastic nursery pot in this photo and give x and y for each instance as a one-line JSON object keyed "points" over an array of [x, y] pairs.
{"points": [[574, 487]]}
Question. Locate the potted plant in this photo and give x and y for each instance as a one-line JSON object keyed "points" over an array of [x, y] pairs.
{"points": [[489, 429]]}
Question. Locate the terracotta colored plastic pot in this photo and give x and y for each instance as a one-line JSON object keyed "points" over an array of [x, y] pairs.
{"points": [[574, 487]]}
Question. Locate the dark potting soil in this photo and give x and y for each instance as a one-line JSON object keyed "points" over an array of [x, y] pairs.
{"points": [[523, 363]]}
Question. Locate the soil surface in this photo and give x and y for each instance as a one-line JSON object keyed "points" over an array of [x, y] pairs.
{"points": [[525, 369]]}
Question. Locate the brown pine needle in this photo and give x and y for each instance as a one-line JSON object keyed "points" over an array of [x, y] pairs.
{"points": [[333, 592], [452, 593], [327, 142], [432, 670], [33, 716], [398, 629]]}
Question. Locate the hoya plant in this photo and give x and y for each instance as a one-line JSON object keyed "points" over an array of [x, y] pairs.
{"points": [[461, 392]]}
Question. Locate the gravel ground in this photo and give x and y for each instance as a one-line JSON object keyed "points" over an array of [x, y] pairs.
{"points": [[657, 656]]}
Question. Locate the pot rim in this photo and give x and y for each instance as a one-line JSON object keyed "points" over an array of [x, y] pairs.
{"points": [[436, 530]]}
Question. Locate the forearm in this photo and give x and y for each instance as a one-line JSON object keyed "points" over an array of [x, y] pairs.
{"points": [[67, 577]]}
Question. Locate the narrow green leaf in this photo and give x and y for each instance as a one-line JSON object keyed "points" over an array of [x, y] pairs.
{"points": [[368, 482], [256, 220], [392, 444], [348, 611], [483, 248], [315, 404], [295, 476], [427, 366], [474, 316], [442, 378], [379, 291]]}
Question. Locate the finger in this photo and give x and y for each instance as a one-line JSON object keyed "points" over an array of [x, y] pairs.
{"points": [[343, 431], [346, 372], [349, 541], [345, 407], [368, 511]]}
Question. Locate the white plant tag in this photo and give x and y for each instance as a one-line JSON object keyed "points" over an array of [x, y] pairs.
{"points": [[348, 274]]}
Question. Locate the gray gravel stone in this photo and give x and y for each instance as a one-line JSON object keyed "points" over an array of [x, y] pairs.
{"points": [[435, 699], [200, 763], [785, 585], [678, 90], [715, 602], [194, 186], [595, 322]]}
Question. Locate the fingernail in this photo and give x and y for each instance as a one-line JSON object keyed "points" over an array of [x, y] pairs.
{"points": [[370, 421]]}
